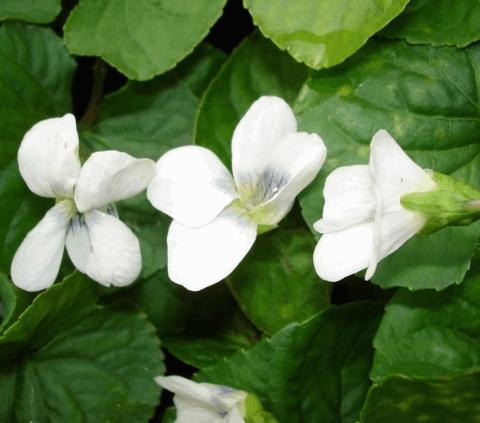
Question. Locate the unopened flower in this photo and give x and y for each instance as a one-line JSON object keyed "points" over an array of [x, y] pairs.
{"points": [[204, 402], [83, 218], [216, 217], [363, 218]]}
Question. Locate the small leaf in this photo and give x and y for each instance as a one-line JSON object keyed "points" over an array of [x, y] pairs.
{"points": [[431, 335], [398, 399], [322, 33], [141, 38], [39, 12], [438, 22]]}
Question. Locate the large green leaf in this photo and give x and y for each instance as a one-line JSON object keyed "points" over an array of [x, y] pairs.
{"points": [[427, 98], [322, 33], [40, 11], [431, 335], [276, 284], [315, 372], [199, 68], [36, 73], [199, 328], [141, 38], [254, 69], [399, 400], [438, 22], [66, 359]]}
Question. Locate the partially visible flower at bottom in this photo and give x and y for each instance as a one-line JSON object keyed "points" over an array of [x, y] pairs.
{"points": [[204, 402], [83, 219], [363, 217], [208, 403]]}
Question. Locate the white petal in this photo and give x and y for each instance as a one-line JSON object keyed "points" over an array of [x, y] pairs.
{"points": [[200, 257], [78, 243], [394, 173], [235, 416], [191, 412], [392, 230], [186, 388], [110, 176], [48, 157], [294, 164], [191, 185], [266, 123], [343, 253], [37, 260], [105, 249], [349, 199]]}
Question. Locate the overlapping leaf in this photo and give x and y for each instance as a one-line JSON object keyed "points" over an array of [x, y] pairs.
{"points": [[43, 11], [438, 22], [141, 38], [322, 33], [399, 399]]}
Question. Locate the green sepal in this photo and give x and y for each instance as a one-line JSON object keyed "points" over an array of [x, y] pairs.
{"points": [[453, 203], [254, 412], [261, 229]]}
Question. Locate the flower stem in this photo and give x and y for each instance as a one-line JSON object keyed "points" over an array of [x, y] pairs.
{"points": [[99, 70]]}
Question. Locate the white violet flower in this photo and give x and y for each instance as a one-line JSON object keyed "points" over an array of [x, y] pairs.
{"points": [[83, 219], [363, 219], [216, 217], [204, 402]]}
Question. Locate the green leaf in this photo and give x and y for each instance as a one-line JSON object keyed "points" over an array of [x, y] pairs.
{"points": [[144, 119], [75, 361], [427, 99], [438, 22], [431, 335], [12, 302], [323, 33], [398, 400], [276, 284], [43, 11], [170, 415], [141, 38], [199, 68], [199, 328], [36, 75], [316, 371], [254, 69]]}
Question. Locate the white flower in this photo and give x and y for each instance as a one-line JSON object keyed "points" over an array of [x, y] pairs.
{"points": [[363, 220], [216, 216], [204, 402], [98, 243]]}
